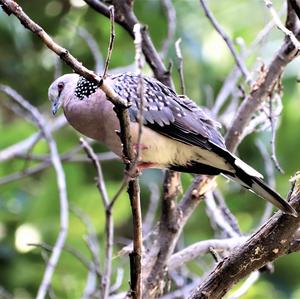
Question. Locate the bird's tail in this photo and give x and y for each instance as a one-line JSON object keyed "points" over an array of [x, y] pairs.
{"points": [[251, 179]]}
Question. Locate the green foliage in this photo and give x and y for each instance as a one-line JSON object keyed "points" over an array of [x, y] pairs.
{"points": [[27, 66]]}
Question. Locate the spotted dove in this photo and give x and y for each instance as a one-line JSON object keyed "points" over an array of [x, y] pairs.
{"points": [[176, 134]]}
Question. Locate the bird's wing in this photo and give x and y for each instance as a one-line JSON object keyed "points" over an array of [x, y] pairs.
{"points": [[164, 111]]}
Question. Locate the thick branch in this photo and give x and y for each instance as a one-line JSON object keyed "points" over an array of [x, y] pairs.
{"points": [[264, 246], [261, 90]]}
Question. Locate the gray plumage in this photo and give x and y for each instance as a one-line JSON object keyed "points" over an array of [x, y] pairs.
{"points": [[176, 134]]}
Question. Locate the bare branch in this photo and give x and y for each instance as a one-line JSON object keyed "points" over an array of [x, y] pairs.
{"points": [[133, 186], [180, 67], [264, 246], [100, 179], [270, 178], [23, 146], [46, 162], [125, 16], [61, 183], [111, 40], [221, 216], [238, 60], [92, 44], [253, 277], [140, 90], [105, 284], [171, 20], [200, 248], [273, 121], [152, 207], [259, 92], [287, 32]]}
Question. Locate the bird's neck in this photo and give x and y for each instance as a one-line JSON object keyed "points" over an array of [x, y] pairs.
{"points": [[95, 118]]}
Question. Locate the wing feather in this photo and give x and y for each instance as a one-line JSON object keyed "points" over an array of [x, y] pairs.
{"points": [[167, 113]]}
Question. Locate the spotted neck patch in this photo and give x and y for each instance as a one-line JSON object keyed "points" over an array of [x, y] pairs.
{"points": [[84, 88]]}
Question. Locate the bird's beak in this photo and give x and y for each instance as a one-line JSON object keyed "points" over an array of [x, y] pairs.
{"points": [[55, 105]]}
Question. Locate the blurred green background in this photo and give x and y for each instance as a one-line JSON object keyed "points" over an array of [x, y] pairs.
{"points": [[29, 207]]}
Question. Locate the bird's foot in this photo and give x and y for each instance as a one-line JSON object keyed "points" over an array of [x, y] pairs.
{"points": [[132, 173]]}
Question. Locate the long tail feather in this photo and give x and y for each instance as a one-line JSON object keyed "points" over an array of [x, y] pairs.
{"points": [[259, 187], [249, 178]]}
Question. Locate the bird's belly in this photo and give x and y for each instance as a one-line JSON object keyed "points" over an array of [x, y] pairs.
{"points": [[159, 150]]}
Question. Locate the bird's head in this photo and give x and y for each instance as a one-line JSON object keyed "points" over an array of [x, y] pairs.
{"points": [[60, 89]]}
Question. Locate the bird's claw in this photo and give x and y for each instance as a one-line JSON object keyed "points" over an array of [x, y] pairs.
{"points": [[132, 173]]}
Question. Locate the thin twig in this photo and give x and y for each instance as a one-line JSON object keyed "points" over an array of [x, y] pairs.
{"points": [[92, 244], [109, 232], [230, 83], [273, 121], [171, 21], [133, 187], [182, 292], [152, 207], [119, 280], [73, 251], [23, 146], [11, 6], [140, 91], [253, 277], [120, 108], [93, 46], [226, 213], [238, 60], [100, 179], [216, 215], [180, 66], [61, 183], [279, 24], [111, 40], [270, 179], [200, 248], [127, 19], [46, 162]]}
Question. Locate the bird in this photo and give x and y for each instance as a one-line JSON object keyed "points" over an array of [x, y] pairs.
{"points": [[176, 133]]}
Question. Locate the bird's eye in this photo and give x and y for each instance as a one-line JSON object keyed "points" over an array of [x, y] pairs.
{"points": [[60, 86]]}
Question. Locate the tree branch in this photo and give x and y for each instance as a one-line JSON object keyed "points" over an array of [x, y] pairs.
{"points": [[238, 59], [260, 90], [61, 184], [125, 16], [271, 241]]}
